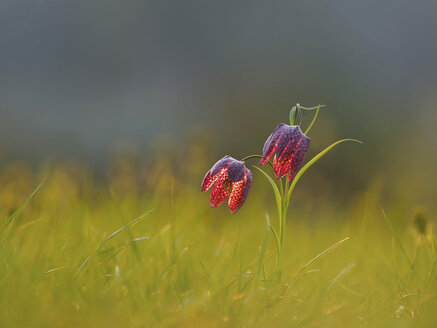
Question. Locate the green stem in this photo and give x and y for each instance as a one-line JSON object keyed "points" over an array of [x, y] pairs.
{"points": [[254, 156], [284, 214], [312, 108], [282, 218], [296, 111], [312, 122], [283, 221]]}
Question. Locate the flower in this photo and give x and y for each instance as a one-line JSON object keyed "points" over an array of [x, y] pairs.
{"points": [[229, 177], [290, 145]]}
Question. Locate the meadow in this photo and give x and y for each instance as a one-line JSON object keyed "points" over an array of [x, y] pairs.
{"points": [[141, 247]]}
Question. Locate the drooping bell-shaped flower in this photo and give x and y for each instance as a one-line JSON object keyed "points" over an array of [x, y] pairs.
{"points": [[290, 146], [230, 177]]}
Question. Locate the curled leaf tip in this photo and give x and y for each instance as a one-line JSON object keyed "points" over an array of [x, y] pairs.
{"points": [[354, 140], [312, 108]]}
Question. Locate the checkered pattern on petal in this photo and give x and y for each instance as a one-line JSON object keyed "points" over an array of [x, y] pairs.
{"points": [[221, 189], [236, 198], [272, 143], [228, 177], [290, 150]]}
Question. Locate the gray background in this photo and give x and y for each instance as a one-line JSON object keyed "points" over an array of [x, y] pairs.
{"points": [[76, 76]]}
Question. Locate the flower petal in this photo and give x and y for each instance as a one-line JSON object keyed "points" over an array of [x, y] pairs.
{"points": [[278, 167], [294, 138], [220, 164], [298, 156], [247, 185], [236, 171], [287, 140], [208, 181], [292, 155], [271, 143], [235, 199], [239, 193], [220, 191], [295, 160]]}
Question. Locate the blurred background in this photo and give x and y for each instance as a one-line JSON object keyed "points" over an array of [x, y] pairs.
{"points": [[90, 81], [115, 108]]}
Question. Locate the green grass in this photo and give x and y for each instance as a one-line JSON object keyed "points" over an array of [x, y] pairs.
{"points": [[76, 255]]}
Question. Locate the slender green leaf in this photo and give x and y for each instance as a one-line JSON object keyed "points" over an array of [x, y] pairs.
{"points": [[275, 190], [312, 162]]}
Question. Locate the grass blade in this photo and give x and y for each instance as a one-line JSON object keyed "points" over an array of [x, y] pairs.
{"points": [[275, 233], [264, 245], [318, 257], [396, 237], [112, 235], [18, 211], [341, 274]]}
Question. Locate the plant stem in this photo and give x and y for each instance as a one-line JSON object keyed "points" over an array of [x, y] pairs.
{"points": [[312, 122], [254, 156], [282, 217], [250, 157]]}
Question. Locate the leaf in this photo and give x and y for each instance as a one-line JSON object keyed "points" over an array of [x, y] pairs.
{"points": [[313, 161], [275, 189]]}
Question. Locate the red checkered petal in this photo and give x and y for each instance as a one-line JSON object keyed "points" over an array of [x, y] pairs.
{"points": [[220, 191], [285, 166], [278, 167], [294, 159], [213, 174], [236, 198], [208, 181]]}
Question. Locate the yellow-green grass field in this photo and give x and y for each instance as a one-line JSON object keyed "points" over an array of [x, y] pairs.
{"points": [[187, 265]]}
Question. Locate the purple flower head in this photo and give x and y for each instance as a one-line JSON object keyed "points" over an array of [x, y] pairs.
{"points": [[230, 178], [290, 146]]}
